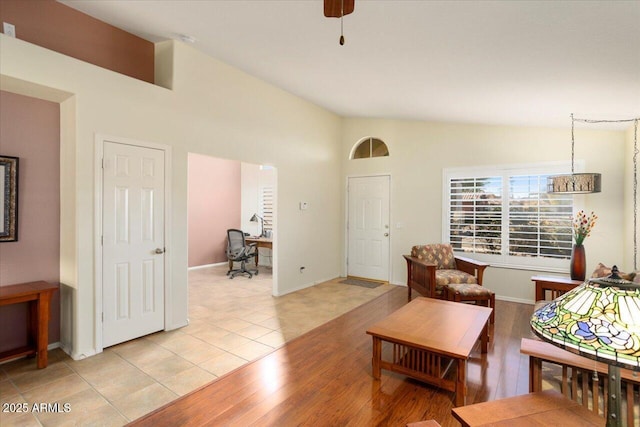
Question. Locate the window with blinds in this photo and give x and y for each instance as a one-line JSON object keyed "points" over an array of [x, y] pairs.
{"points": [[506, 217], [539, 223], [266, 207], [475, 218]]}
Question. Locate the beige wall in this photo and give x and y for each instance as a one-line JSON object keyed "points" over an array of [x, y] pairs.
{"points": [[419, 152], [213, 109]]}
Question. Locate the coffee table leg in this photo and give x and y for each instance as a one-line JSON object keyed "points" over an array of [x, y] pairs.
{"points": [[377, 357], [461, 383]]}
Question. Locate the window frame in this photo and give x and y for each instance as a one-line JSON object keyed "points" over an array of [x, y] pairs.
{"points": [[369, 140], [505, 260]]}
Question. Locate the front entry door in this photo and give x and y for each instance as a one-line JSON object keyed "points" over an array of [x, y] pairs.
{"points": [[368, 228], [133, 242]]}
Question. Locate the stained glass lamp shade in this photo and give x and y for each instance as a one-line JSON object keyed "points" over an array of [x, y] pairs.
{"points": [[599, 319]]}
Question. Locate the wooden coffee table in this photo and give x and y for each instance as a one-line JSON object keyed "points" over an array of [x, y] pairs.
{"points": [[427, 336]]}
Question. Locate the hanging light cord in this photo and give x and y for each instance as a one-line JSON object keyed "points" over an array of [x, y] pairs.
{"points": [[635, 174], [573, 142], [635, 194]]}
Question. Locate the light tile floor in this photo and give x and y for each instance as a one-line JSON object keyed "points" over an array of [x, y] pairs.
{"points": [[231, 322]]}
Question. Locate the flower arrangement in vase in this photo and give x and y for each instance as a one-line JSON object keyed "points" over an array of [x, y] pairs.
{"points": [[582, 226]]}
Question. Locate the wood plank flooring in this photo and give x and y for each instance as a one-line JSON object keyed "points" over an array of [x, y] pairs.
{"points": [[323, 378]]}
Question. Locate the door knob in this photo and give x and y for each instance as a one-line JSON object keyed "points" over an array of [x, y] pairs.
{"points": [[386, 234], [159, 250]]}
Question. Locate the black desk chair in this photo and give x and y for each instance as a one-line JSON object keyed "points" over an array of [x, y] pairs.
{"points": [[239, 251]]}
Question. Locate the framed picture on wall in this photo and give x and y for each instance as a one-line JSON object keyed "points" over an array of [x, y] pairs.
{"points": [[9, 199]]}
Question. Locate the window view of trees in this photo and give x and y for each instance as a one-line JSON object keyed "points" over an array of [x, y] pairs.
{"points": [[520, 220]]}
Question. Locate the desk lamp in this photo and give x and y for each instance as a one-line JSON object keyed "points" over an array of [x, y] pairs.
{"points": [[600, 320], [255, 218]]}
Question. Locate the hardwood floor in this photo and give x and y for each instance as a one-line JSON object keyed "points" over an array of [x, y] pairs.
{"points": [[323, 378]]}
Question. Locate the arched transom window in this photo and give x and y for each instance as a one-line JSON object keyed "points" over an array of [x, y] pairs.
{"points": [[370, 147]]}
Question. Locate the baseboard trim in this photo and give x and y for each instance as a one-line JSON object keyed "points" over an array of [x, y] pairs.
{"points": [[518, 300], [217, 264]]}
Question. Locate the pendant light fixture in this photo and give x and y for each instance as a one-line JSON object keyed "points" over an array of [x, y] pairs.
{"points": [[574, 183]]}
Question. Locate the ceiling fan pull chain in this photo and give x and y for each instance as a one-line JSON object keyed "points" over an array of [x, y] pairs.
{"points": [[341, 22]]}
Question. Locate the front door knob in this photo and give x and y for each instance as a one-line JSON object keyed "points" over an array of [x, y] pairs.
{"points": [[159, 250]]}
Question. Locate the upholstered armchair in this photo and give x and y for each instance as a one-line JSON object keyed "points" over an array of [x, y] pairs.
{"points": [[431, 267]]}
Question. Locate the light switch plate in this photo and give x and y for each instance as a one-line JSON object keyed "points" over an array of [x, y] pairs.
{"points": [[9, 29]]}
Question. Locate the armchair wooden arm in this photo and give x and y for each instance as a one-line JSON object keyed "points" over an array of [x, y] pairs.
{"points": [[421, 276], [471, 266]]}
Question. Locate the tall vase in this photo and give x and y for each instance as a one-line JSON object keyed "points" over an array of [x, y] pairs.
{"points": [[578, 266]]}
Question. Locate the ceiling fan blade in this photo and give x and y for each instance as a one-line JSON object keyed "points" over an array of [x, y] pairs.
{"points": [[333, 8]]}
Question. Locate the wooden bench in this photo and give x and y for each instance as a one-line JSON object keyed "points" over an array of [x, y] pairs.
{"points": [[577, 378]]}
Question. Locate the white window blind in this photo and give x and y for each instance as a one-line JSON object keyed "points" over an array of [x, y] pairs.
{"points": [[539, 223], [266, 207], [475, 222]]}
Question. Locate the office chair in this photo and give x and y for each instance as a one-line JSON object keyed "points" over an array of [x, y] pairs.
{"points": [[239, 251]]}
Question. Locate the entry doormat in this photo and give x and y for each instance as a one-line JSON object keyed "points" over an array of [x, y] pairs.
{"points": [[363, 283]]}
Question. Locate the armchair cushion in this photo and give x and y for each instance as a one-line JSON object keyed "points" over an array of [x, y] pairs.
{"points": [[468, 290], [439, 254], [446, 276], [604, 271], [601, 271]]}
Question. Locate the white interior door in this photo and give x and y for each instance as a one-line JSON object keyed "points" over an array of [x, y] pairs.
{"points": [[368, 227], [133, 242]]}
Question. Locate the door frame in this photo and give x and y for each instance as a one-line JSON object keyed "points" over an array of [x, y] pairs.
{"points": [[100, 140], [345, 265]]}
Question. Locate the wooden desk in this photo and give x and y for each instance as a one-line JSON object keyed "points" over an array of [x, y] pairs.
{"points": [[428, 333], [555, 285], [38, 295], [261, 242], [533, 409]]}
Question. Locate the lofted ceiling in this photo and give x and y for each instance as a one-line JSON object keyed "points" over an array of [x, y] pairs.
{"points": [[525, 63]]}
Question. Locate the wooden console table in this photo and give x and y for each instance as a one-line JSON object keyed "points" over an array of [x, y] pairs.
{"points": [[555, 285], [38, 295]]}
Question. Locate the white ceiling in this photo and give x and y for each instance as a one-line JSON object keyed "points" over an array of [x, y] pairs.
{"points": [[495, 62]]}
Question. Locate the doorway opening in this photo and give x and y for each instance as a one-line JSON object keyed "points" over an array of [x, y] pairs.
{"points": [[228, 194]]}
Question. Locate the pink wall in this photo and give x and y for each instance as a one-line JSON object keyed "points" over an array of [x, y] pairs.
{"points": [[214, 206], [30, 130]]}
